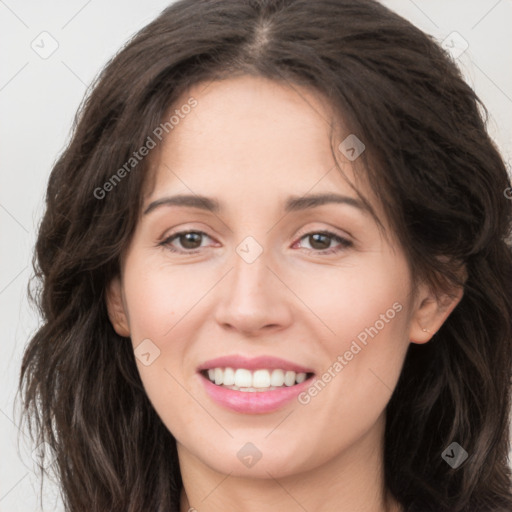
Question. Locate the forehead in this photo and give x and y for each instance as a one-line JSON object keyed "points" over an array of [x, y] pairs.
{"points": [[256, 148], [252, 129], [251, 141]]}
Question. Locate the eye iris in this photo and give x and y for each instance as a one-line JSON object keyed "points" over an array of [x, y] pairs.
{"points": [[315, 237], [189, 239]]}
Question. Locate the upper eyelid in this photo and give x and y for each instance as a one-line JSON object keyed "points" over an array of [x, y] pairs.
{"points": [[330, 230], [327, 231], [301, 233], [326, 227]]}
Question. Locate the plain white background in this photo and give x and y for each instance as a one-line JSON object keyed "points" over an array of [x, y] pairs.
{"points": [[38, 100]]}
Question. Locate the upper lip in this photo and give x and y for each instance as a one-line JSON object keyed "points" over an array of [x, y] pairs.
{"points": [[255, 363]]}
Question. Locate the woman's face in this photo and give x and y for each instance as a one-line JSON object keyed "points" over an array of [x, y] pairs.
{"points": [[258, 279]]}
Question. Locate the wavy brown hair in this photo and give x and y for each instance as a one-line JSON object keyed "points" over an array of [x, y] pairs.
{"points": [[429, 159]]}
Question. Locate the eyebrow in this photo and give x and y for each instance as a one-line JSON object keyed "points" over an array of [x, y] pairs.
{"points": [[293, 203]]}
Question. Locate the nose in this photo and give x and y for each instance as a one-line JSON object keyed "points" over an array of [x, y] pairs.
{"points": [[254, 298]]}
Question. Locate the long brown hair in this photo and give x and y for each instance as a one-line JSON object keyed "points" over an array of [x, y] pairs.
{"points": [[430, 161]]}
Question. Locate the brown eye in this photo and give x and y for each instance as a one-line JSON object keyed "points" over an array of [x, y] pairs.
{"points": [[320, 242], [190, 241]]}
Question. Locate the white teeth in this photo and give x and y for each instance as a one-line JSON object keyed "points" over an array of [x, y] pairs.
{"points": [[229, 377], [245, 380], [289, 378], [261, 379], [301, 377], [277, 378]]}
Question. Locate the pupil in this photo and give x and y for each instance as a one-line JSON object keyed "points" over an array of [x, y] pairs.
{"points": [[192, 238], [189, 240], [315, 238]]}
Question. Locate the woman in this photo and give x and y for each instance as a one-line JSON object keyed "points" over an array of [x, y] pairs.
{"points": [[253, 372]]}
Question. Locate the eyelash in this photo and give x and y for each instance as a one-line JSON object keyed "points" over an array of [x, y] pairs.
{"points": [[343, 241]]}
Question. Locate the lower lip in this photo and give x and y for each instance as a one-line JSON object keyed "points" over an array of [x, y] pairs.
{"points": [[253, 402]]}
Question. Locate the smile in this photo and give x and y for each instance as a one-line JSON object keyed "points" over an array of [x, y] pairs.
{"points": [[245, 380], [253, 385]]}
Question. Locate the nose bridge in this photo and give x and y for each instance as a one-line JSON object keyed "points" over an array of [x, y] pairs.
{"points": [[252, 296], [251, 276]]}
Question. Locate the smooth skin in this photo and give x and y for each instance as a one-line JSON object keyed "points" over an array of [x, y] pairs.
{"points": [[250, 143]]}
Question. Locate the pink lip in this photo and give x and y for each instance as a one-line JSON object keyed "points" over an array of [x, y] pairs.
{"points": [[257, 402], [256, 363]]}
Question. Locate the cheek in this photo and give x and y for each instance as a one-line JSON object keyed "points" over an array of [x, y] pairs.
{"points": [[351, 394], [364, 315], [348, 298], [159, 297], [164, 302]]}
